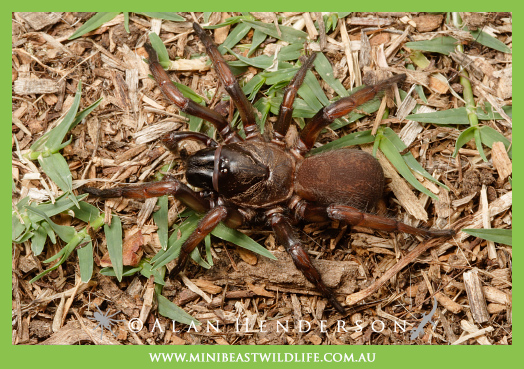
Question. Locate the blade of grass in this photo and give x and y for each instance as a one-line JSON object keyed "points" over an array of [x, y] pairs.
{"points": [[114, 245], [443, 45], [390, 151], [240, 239], [503, 236], [487, 40], [160, 218], [85, 261], [93, 23], [356, 138], [165, 15], [170, 310], [288, 34]]}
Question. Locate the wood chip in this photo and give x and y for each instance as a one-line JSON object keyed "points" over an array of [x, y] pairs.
{"points": [[39, 20], [207, 286], [246, 255], [486, 220], [28, 86], [501, 160], [437, 85], [477, 301], [493, 294], [190, 65], [448, 303], [259, 290], [428, 22]]}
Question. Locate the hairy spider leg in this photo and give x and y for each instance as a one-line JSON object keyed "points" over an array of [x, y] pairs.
{"points": [[171, 140], [186, 105], [169, 186], [287, 237], [244, 107], [338, 109], [286, 108], [317, 213], [231, 217]]}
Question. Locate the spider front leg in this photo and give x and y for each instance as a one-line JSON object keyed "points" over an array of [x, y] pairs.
{"points": [[338, 109], [232, 218], [245, 108], [186, 105], [169, 186], [286, 108], [286, 236]]}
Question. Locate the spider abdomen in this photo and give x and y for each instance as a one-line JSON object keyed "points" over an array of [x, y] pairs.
{"points": [[343, 176]]}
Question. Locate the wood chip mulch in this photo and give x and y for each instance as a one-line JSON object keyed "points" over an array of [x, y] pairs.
{"points": [[470, 278]]}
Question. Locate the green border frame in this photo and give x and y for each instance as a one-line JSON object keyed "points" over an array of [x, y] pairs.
{"points": [[125, 356]]}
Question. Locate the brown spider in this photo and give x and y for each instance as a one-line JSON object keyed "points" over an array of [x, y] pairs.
{"points": [[249, 179]]}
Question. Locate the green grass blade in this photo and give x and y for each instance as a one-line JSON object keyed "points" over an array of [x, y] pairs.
{"points": [[258, 38], [311, 83], [234, 37], [356, 138], [503, 236], [456, 116], [478, 143], [82, 114], [61, 204], [66, 233], [254, 85], [87, 212], [489, 136], [230, 21], [170, 310], [165, 15], [160, 48], [209, 256], [408, 157], [325, 70], [57, 134], [464, 138], [55, 166], [85, 260], [93, 23], [174, 244], [288, 34], [487, 40], [189, 93], [158, 273], [443, 45], [391, 152], [126, 22], [240, 239], [197, 257], [127, 271], [160, 218], [38, 240], [114, 245]]}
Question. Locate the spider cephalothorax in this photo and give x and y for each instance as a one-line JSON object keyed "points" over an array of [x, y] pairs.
{"points": [[251, 178]]}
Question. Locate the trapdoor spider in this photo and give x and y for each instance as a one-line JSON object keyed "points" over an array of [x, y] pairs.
{"points": [[243, 179]]}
